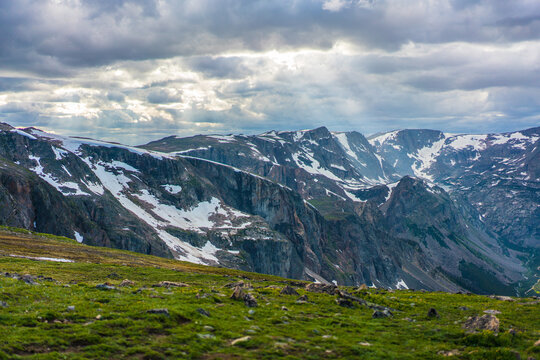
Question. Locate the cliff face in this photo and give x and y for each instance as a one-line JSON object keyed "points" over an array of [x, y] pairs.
{"points": [[311, 204]]}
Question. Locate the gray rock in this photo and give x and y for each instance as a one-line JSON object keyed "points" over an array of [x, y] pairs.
{"points": [[203, 312], [158, 311], [377, 314], [105, 287], [288, 290]]}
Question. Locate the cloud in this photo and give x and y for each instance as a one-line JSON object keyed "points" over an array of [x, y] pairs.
{"points": [[136, 70]]}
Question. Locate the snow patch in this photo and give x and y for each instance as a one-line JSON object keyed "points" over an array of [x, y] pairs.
{"points": [[401, 285], [78, 237]]}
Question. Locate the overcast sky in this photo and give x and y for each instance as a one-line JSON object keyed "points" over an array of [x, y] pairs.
{"points": [[133, 71]]}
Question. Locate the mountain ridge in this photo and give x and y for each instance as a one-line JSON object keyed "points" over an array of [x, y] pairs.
{"points": [[287, 206]]}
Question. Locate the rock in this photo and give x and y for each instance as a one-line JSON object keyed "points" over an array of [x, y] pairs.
{"points": [[363, 287], [452, 352], [377, 314], [203, 312], [158, 311], [240, 340], [364, 343], [344, 302], [169, 284], [235, 284], [29, 279], [484, 322], [321, 288], [464, 308], [492, 312], [302, 299], [288, 290], [98, 317], [512, 332], [250, 301], [206, 336], [251, 312], [284, 308], [113, 276], [502, 298], [208, 328], [238, 293], [537, 343], [105, 286], [127, 282], [3, 304], [71, 308], [432, 313]]}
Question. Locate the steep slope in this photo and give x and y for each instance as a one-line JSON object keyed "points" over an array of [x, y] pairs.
{"points": [[364, 241], [496, 173], [112, 195]]}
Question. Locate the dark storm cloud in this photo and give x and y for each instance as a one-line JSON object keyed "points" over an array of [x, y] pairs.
{"points": [[49, 38]]}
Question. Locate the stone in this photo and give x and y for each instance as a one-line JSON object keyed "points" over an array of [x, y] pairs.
{"points": [[452, 352], [251, 312], [203, 312], [321, 288], [377, 314], [206, 336], [302, 299], [71, 308], [169, 284], [284, 308], [208, 328], [238, 293], [492, 312], [363, 287], [537, 343], [484, 322], [127, 282], [3, 304], [364, 343], [344, 302], [464, 308], [240, 340], [98, 317], [158, 311], [288, 290], [432, 313], [250, 301], [105, 286], [502, 298]]}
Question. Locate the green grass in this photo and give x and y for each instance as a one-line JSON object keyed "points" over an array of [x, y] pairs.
{"points": [[37, 323]]}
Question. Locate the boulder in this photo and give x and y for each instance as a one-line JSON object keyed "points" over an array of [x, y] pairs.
{"points": [[484, 322], [158, 311], [288, 290], [321, 288]]}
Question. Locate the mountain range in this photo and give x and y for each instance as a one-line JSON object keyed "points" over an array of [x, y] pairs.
{"points": [[404, 209]]}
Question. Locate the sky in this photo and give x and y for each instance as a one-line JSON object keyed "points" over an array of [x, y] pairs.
{"points": [[135, 71]]}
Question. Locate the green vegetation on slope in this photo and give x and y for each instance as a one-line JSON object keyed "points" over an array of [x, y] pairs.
{"points": [[68, 317]]}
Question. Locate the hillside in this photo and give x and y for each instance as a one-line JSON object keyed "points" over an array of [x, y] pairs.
{"points": [[78, 304]]}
